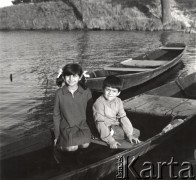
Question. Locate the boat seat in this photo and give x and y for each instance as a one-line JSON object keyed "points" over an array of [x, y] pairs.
{"points": [[124, 143], [143, 63], [172, 48], [109, 68]]}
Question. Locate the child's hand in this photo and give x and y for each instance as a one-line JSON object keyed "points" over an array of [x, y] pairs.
{"points": [[114, 145], [55, 141], [136, 140]]}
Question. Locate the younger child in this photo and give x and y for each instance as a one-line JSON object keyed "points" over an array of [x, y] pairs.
{"points": [[70, 108], [110, 117]]}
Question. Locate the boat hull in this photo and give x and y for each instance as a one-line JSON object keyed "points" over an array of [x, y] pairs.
{"points": [[132, 79]]}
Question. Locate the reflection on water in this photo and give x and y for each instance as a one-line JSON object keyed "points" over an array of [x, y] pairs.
{"points": [[33, 59]]}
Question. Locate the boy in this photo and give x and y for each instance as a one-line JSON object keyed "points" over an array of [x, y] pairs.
{"points": [[110, 117]]}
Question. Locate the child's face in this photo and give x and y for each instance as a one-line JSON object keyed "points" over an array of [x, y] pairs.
{"points": [[110, 93], [72, 80]]}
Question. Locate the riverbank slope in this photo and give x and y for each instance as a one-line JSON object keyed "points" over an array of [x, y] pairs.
{"points": [[97, 15]]}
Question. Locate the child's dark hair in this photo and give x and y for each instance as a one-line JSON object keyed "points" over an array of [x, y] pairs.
{"points": [[71, 69], [113, 82]]}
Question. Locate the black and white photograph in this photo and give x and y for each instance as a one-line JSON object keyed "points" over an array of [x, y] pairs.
{"points": [[97, 89]]}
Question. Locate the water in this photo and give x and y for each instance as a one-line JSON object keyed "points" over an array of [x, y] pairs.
{"points": [[33, 59]]}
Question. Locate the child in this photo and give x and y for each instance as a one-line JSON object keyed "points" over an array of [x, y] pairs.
{"points": [[110, 117], [70, 108]]}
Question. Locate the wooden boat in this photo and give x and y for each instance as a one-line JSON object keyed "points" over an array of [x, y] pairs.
{"points": [[184, 87], [157, 117], [140, 69], [176, 97]]}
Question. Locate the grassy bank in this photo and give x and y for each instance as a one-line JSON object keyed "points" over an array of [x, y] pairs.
{"points": [[93, 14], [49, 16]]}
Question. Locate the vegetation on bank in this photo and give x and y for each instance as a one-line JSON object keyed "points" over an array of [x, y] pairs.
{"points": [[49, 16], [94, 15]]}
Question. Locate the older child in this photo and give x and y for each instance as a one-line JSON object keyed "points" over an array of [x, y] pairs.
{"points": [[71, 101], [110, 117]]}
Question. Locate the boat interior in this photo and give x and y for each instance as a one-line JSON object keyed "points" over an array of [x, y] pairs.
{"points": [[143, 63], [165, 54], [105, 73], [48, 162]]}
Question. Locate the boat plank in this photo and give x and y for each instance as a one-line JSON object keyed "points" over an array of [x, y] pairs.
{"points": [[143, 63], [167, 90], [172, 48], [161, 106]]}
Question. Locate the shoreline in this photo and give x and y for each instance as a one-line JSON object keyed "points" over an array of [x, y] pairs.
{"points": [[100, 15]]}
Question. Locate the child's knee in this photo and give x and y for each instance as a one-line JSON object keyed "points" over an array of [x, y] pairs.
{"points": [[84, 145], [71, 148]]}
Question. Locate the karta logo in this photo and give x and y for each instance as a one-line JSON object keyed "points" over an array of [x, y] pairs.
{"points": [[175, 170]]}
